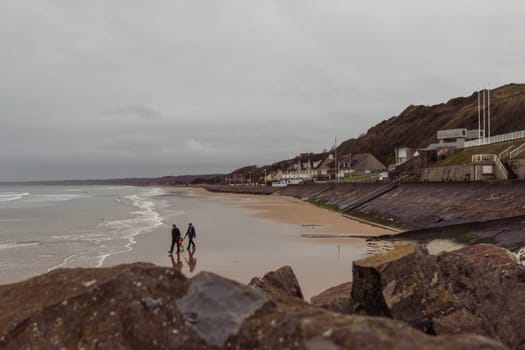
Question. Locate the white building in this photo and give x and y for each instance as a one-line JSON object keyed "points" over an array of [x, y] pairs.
{"points": [[454, 138]]}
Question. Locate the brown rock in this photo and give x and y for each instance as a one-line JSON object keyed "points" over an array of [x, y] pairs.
{"points": [[282, 281], [141, 306], [478, 289], [335, 299]]}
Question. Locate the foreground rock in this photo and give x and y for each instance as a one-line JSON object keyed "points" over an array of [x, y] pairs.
{"points": [[142, 306], [479, 289], [336, 298], [282, 281]]}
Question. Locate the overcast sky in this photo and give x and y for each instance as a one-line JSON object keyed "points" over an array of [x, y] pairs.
{"points": [[124, 88]]}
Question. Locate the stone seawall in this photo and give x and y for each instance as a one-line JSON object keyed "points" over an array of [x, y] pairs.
{"points": [[413, 204], [490, 211], [419, 205], [467, 211]]}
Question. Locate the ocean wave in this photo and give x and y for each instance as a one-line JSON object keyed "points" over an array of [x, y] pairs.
{"points": [[144, 220], [12, 196], [11, 245], [95, 236], [90, 246], [44, 198], [154, 191], [62, 264]]}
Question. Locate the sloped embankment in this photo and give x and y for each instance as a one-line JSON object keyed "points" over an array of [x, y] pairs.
{"points": [[492, 211]]}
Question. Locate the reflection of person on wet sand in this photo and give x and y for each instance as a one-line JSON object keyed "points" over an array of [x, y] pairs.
{"points": [[192, 261], [177, 264]]}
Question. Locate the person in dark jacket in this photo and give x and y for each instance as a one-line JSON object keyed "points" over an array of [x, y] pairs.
{"points": [[191, 234], [175, 236]]}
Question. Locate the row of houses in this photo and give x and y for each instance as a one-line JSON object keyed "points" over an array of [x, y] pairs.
{"points": [[415, 162], [309, 167]]}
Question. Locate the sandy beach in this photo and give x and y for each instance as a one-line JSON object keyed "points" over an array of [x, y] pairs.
{"points": [[242, 236], [288, 210]]}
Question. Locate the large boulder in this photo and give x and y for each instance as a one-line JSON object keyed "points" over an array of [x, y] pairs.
{"points": [[281, 281], [142, 306], [336, 298], [478, 289]]}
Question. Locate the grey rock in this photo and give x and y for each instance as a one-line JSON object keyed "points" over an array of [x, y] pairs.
{"points": [[151, 304], [281, 281], [212, 301], [55, 311], [478, 289], [336, 298]]}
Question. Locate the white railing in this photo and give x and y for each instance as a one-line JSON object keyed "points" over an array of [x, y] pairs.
{"points": [[517, 151], [501, 167], [506, 152], [492, 158], [496, 139]]}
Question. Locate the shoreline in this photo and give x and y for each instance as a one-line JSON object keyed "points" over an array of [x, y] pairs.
{"points": [[242, 236]]}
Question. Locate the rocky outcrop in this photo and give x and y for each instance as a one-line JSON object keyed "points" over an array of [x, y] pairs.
{"points": [[281, 281], [142, 306], [479, 289], [336, 298]]}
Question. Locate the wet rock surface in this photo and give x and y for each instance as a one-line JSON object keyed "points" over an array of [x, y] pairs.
{"points": [[142, 306], [282, 281], [336, 298], [216, 307], [478, 289]]}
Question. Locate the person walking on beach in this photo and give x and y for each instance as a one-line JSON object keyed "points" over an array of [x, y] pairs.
{"points": [[175, 236], [191, 234]]}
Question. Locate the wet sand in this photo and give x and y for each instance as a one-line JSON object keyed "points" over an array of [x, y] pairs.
{"points": [[242, 236], [288, 210]]}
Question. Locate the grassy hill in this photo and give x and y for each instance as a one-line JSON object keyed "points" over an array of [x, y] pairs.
{"points": [[465, 155], [416, 126]]}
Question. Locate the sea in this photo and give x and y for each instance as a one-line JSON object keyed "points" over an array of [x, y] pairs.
{"points": [[46, 227], [43, 228]]}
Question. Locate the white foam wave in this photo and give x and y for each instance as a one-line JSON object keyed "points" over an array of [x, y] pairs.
{"points": [[11, 245], [62, 264], [57, 197], [144, 220], [82, 237], [91, 246], [11, 196]]}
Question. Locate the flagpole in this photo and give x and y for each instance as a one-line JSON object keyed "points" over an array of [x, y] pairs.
{"points": [[488, 95], [479, 120]]}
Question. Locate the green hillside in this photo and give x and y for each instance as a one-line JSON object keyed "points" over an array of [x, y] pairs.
{"points": [[465, 155]]}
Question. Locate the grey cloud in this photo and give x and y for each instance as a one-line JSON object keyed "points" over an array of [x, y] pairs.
{"points": [[134, 88], [139, 111]]}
